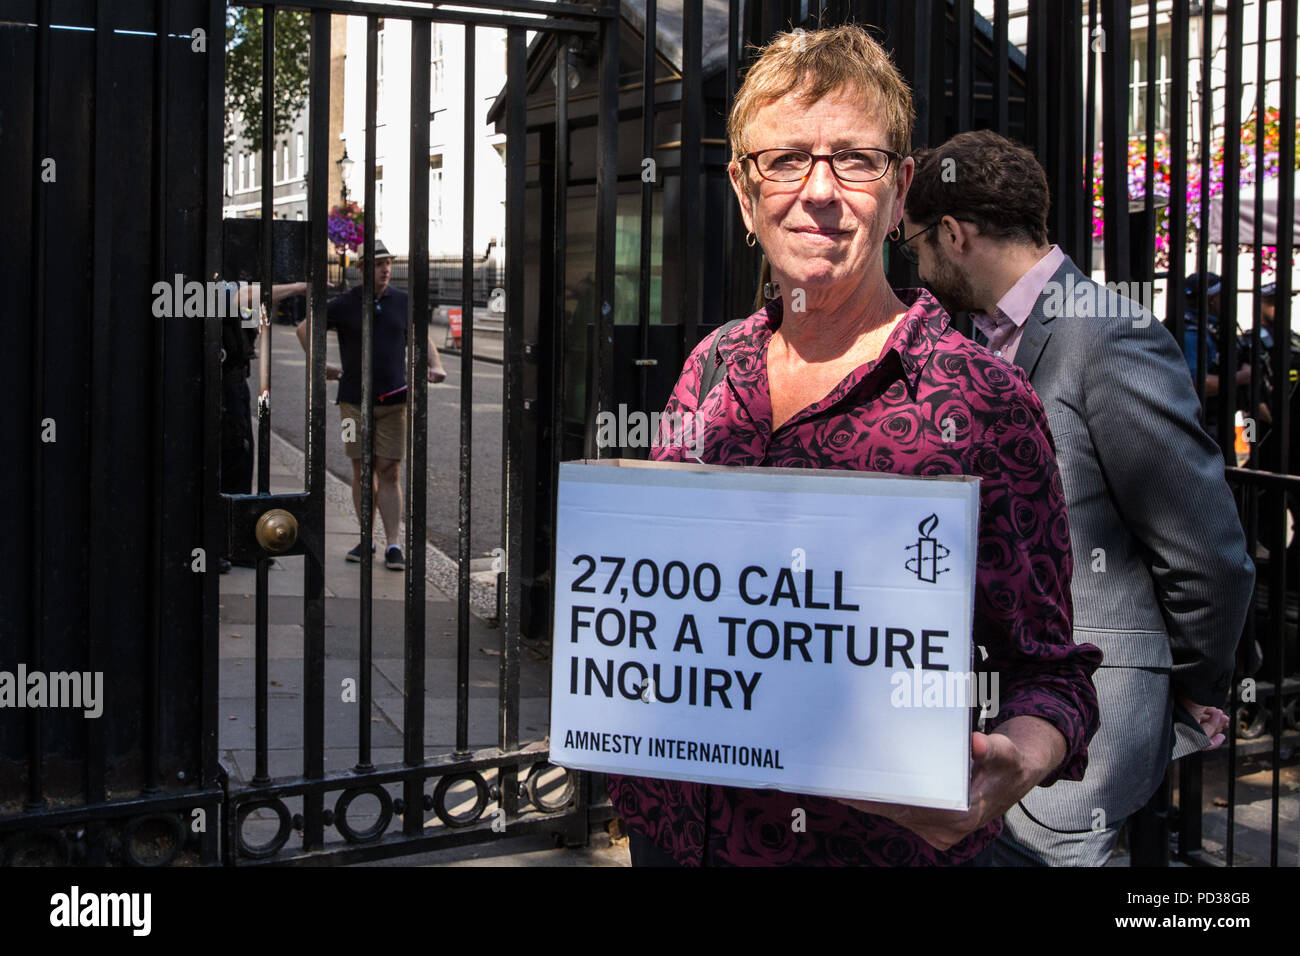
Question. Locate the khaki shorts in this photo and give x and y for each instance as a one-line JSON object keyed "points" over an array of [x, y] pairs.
{"points": [[390, 430]]}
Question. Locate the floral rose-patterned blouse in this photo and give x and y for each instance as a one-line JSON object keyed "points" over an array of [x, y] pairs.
{"points": [[891, 415]]}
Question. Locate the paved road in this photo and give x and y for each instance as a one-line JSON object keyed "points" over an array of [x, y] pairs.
{"points": [[288, 419]]}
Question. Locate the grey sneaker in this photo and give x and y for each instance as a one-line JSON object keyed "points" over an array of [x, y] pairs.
{"points": [[393, 559]]}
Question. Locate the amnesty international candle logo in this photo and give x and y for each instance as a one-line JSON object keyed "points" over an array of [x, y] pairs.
{"points": [[928, 552]]}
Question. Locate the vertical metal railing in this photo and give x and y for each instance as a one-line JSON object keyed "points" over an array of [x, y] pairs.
{"points": [[1063, 134], [559, 316], [1230, 198], [1257, 252], [417, 424], [730, 250], [1114, 136], [963, 86], [365, 633], [601, 360], [691, 206], [1001, 68], [463, 551], [1148, 269], [1039, 59], [214, 547], [1206, 122], [1250, 495], [101, 387], [647, 192], [1090, 135], [513, 417], [932, 32], [313, 617], [1178, 55], [261, 666], [153, 689], [1282, 360], [38, 230]]}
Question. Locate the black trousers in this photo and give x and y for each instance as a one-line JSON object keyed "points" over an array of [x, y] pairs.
{"points": [[236, 436], [645, 853]]}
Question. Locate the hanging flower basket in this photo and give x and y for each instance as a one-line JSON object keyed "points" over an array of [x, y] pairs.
{"points": [[1162, 178], [347, 226]]}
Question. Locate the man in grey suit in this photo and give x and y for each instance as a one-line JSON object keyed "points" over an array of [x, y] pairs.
{"points": [[1162, 579]]}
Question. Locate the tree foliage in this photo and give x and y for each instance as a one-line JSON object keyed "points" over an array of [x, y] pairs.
{"points": [[244, 72]]}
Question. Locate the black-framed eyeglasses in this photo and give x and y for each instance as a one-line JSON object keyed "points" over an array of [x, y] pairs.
{"points": [[782, 164], [904, 246]]}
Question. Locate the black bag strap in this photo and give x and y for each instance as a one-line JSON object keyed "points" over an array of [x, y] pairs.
{"points": [[714, 371]]}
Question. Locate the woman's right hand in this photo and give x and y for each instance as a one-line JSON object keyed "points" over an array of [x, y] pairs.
{"points": [[332, 372]]}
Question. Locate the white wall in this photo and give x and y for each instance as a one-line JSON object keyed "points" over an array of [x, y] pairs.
{"points": [[445, 134]]}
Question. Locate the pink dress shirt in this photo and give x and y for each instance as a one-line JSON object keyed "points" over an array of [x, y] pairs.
{"points": [[1004, 326]]}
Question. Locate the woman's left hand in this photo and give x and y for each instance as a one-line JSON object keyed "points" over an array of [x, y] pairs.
{"points": [[1005, 765]]}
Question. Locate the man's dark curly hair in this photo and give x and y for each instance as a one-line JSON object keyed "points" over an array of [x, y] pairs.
{"points": [[990, 181]]}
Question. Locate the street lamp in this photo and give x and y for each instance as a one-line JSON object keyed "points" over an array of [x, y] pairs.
{"points": [[345, 171]]}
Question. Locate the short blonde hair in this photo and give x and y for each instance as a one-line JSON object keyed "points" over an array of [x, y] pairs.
{"points": [[824, 61]]}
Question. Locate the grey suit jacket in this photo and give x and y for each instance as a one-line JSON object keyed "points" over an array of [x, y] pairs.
{"points": [[1162, 579]]}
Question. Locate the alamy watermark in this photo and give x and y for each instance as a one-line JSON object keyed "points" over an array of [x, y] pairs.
{"points": [[58, 689], [637, 429], [1071, 300], [212, 299], [946, 689], [74, 908]]}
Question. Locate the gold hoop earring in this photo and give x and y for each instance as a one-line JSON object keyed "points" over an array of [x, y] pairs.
{"points": [[750, 239], [896, 234]]}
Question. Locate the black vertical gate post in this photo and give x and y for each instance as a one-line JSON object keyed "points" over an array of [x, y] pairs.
{"points": [[513, 419], [1148, 829], [101, 390], [1068, 220], [600, 391], [463, 551], [1178, 42], [1114, 136], [313, 611], [213, 777], [1282, 416], [691, 206], [417, 423], [110, 541]]}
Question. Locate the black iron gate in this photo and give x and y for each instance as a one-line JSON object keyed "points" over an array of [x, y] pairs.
{"points": [[503, 780], [126, 450]]}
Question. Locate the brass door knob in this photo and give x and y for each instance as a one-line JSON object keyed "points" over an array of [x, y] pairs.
{"points": [[277, 530]]}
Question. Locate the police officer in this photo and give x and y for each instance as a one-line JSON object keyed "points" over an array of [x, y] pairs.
{"points": [[1191, 333]]}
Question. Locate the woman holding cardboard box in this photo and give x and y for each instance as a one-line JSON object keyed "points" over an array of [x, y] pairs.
{"points": [[839, 371]]}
